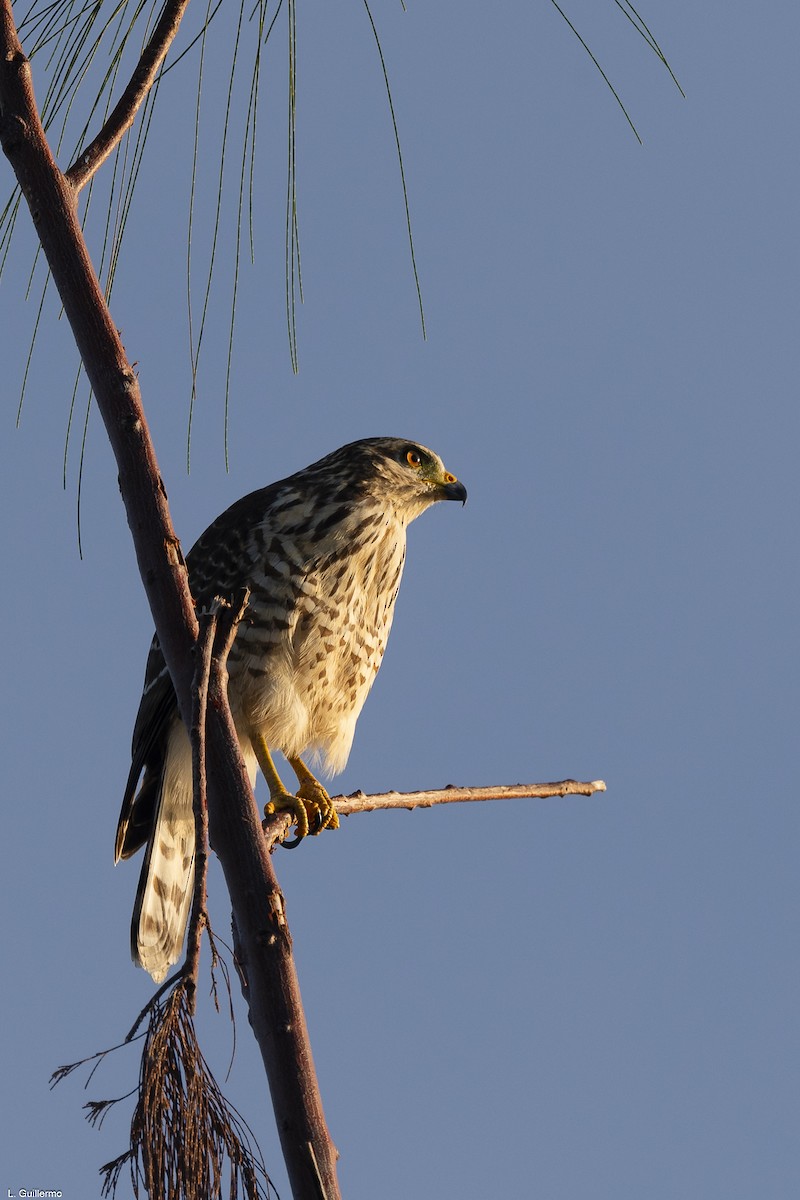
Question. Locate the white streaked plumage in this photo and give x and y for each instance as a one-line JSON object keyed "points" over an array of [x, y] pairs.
{"points": [[322, 553]]}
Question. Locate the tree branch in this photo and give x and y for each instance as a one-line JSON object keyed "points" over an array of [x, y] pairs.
{"points": [[124, 112], [203, 649], [277, 827], [216, 634], [357, 802], [273, 994], [263, 949]]}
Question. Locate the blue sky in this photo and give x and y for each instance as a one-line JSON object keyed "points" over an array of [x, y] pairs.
{"points": [[567, 998]]}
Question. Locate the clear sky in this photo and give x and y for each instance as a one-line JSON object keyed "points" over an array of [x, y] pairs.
{"points": [[563, 999]]}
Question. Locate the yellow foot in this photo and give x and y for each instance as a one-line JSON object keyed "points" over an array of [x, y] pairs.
{"points": [[311, 810], [319, 805], [318, 802], [285, 802]]}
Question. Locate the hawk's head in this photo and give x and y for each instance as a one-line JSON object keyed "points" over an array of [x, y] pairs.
{"points": [[402, 473]]}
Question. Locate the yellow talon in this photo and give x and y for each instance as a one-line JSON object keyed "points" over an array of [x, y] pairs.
{"points": [[285, 802], [319, 807], [317, 801], [311, 809]]}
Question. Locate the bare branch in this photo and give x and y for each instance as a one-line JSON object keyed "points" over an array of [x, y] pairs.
{"points": [[267, 971], [308, 1149], [124, 112], [205, 643], [217, 631], [53, 207], [277, 827], [357, 802]]}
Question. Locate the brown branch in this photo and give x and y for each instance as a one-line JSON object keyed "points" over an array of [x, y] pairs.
{"points": [[357, 802], [267, 972], [277, 827], [203, 648], [53, 208], [124, 112], [273, 992], [217, 631]]}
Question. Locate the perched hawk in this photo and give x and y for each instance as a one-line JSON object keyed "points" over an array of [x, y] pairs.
{"points": [[322, 554]]}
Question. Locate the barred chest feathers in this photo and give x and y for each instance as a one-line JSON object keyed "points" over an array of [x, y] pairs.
{"points": [[303, 667]]}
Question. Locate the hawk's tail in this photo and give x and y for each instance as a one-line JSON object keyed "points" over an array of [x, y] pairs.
{"points": [[166, 884]]}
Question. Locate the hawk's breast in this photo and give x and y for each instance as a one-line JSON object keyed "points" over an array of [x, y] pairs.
{"points": [[303, 666]]}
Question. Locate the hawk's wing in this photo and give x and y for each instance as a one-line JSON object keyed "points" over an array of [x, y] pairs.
{"points": [[219, 562], [158, 710]]}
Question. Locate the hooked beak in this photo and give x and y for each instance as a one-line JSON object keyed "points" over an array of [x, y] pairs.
{"points": [[454, 490]]}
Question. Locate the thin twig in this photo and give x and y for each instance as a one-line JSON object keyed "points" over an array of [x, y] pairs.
{"points": [[207, 623], [229, 618], [217, 630], [126, 108], [276, 827]]}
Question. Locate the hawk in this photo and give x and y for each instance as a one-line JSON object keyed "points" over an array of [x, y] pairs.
{"points": [[322, 553]]}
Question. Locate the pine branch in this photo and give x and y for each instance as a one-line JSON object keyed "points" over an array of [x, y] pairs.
{"points": [[124, 112], [235, 830]]}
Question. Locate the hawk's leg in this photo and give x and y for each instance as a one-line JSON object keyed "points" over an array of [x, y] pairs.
{"points": [[318, 802], [311, 801], [280, 800]]}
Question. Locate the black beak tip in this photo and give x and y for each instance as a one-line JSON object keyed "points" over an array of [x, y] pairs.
{"points": [[455, 491]]}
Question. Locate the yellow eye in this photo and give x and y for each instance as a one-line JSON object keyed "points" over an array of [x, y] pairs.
{"points": [[413, 459]]}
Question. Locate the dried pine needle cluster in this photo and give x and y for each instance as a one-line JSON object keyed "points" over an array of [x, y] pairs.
{"points": [[186, 1140]]}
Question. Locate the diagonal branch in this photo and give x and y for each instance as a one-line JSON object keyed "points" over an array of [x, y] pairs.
{"points": [[124, 112], [235, 831]]}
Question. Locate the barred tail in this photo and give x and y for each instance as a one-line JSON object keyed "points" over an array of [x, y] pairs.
{"points": [[166, 884]]}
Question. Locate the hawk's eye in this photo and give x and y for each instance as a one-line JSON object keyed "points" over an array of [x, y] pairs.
{"points": [[413, 459]]}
